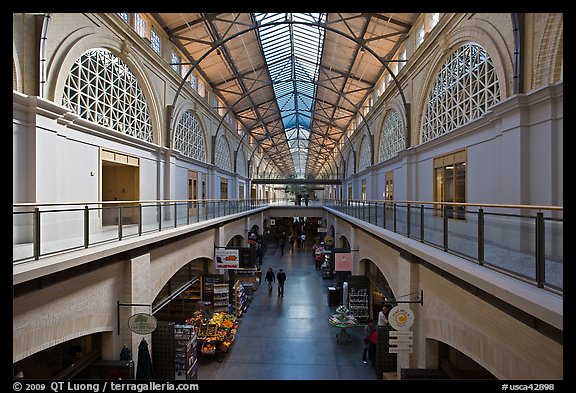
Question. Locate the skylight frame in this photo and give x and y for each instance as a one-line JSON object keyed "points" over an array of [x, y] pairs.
{"points": [[293, 53]]}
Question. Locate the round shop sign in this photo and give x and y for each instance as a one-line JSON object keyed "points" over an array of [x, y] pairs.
{"points": [[142, 323], [401, 317]]}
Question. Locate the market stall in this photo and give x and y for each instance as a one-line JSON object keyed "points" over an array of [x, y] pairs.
{"points": [[342, 319], [215, 335]]}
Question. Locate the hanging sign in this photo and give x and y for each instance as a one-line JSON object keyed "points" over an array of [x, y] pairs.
{"points": [[343, 261], [142, 323], [401, 317], [227, 258]]}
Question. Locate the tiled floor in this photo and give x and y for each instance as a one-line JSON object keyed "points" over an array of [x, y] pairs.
{"points": [[289, 338]]}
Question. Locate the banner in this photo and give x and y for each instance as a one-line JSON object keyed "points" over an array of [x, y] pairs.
{"points": [[343, 262], [227, 258]]}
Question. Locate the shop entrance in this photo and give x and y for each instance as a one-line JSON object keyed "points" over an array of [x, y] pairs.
{"points": [[120, 182]]}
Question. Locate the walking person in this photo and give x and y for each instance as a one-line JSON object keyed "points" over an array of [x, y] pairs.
{"points": [[260, 254], [368, 328], [270, 278], [372, 340], [282, 243], [281, 277]]}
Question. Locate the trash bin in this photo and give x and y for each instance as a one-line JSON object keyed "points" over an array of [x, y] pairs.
{"points": [[334, 296]]}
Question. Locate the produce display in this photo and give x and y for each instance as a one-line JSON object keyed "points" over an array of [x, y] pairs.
{"points": [[215, 333], [342, 318]]}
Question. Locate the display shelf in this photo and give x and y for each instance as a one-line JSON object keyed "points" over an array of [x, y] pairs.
{"points": [[241, 299], [208, 288], [221, 297], [249, 277], [195, 290], [175, 351], [358, 304], [186, 354]]}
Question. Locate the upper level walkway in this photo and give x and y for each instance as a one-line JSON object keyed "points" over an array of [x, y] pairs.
{"points": [[522, 241]]}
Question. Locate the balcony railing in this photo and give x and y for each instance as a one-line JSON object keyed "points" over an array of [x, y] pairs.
{"points": [[524, 241], [40, 230]]}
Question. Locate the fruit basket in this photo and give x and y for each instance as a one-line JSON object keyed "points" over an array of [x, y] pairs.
{"points": [[208, 348]]}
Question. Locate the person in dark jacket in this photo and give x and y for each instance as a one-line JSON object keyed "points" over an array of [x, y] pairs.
{"points": [[260, 254], [270, 279], [281, 277]]}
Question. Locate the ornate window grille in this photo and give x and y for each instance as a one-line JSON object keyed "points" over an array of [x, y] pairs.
{"points": [[350, 163], [365, 159], [101, 88], [392, 140], [155, 41], [223, 153], [189, 138], [466, 87], [241, 165]]}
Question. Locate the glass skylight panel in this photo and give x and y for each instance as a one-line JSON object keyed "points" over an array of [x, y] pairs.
{"points": [[292, 52]]}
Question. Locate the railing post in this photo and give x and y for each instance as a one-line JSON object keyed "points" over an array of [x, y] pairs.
{"points": [[421, 223], [175, 214], [36, 233], [540, 246], [376, 213], [198, 212], [369, 211], [445, 225], [481, 236], [159, 216], [140, 220], [394, 205], [119, 222], [86, 227], [408, 219], [384, 215]]}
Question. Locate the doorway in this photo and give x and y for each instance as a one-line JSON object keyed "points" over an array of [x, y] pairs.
{"points": [[120, 182]]}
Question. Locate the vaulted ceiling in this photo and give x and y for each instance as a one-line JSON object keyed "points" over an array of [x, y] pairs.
{"points": [[294, 81]]}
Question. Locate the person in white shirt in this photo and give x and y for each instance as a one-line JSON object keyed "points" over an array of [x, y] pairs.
{"points": [[383, 316]]}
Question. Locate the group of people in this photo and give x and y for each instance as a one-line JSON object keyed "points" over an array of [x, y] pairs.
{"points": [[318, 255], [271, 278], [298, 199], [371, 336]]}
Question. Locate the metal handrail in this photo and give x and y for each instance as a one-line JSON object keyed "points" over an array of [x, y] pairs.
{"points": [[489, 238], [516, 244]]}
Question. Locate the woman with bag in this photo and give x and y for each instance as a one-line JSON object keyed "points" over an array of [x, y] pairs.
{"points": [[368, 328]]}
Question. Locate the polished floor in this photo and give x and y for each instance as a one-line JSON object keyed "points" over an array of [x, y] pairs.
{"points": [[289, 338]]}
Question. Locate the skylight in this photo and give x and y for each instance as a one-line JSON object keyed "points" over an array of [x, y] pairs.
{"points": [[292, 52]]}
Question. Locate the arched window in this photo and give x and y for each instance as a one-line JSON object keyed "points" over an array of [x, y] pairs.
{"points": [[465, 88], [241, 164], [350, 164], [392, 140], [189, 138], [222, 158], [365, 159], [101, 88]]}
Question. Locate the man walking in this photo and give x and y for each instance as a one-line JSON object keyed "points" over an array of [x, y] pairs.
{"points": [[282, 243], [281, 277], [270, 278]]}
